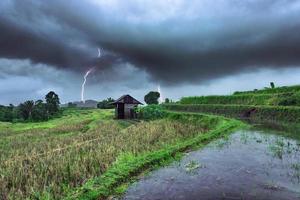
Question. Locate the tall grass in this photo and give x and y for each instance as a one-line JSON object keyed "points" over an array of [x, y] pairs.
{"points": [[128, 166], [41, 163]]}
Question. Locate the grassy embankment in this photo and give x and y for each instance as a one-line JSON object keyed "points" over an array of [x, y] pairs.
{"points": [[88, 155], [284, 89], [278, 106]]}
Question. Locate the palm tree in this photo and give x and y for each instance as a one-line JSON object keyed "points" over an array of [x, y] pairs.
{"points": [[26, 109]]}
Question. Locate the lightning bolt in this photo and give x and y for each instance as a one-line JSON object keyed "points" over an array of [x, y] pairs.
{"points": [[99, 53], [161, 96], [85, 78], [83, 84]]}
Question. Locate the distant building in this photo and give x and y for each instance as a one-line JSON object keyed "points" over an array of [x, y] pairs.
{"points": [[124, 107], [80, 104]]}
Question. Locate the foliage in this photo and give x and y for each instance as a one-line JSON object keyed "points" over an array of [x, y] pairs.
{"points": [[52, 102], [106, 103], [151, 112], [167, 100], [261, 113], [26, 109], [152, 97], [281, 99], [272, 85], [39, 111], [293, 100], [32, 111], [6, 113]]}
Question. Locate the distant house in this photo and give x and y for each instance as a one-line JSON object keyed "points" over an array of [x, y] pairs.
{"points": [[124, 107]]}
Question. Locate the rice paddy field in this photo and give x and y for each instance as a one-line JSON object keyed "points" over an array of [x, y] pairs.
{"points": [[66, 157]]}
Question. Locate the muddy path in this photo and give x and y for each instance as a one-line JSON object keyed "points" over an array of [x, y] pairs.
{"points": [[250, 164]]}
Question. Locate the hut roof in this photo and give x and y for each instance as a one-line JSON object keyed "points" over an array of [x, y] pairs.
{"points": [[127, 99]]}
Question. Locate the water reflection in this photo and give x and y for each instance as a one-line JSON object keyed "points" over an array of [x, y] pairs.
{"points": [[250, 164]]}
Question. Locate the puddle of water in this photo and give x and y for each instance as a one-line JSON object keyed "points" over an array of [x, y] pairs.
{"points": [[246, 165]]}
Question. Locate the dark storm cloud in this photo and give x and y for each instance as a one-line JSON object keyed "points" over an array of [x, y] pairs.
{"points": [[174, 41]]}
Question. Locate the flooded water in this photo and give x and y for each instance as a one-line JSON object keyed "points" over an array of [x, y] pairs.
{"points": [[248, 164]]}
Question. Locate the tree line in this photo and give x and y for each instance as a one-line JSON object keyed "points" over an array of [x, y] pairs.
{"points": [[150, 98], [32, 110]]}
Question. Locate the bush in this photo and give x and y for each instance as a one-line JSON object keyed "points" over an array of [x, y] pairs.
{"points": [[106, 104], [6, 113], [289, 101], [151, 112], [39, 112]]}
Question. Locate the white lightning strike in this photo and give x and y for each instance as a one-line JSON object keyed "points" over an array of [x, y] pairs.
{"points": [[99, 53], [160, 100], [85, 77], [83, 84]]}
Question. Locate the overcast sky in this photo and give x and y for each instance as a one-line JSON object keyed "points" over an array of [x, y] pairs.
{"points": [[194, 47]]}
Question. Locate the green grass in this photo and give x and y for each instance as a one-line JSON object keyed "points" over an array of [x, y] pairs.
{"points": [[128, 166], [284, 89], [86, 153], [263, 113], [278, 107], [243, 99], [281, 96], [69, 116], [30, 145]]}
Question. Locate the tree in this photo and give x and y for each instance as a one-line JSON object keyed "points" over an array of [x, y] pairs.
{"points": [[272, 85], [106, 103], [39, 112], [152, 97], [26, 109], [167, 100], [6, 113], [52, 103]]}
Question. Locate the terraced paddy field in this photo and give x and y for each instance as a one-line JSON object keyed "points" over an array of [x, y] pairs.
{"points": [[86, 154], [248, 164]]}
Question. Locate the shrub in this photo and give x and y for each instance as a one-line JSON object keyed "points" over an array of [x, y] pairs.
{"points": [[106, 104], [151, 112], [6, 113], [289, 101]]}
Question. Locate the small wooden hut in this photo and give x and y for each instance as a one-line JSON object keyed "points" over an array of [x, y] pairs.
{"points": [[124, 107]]}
